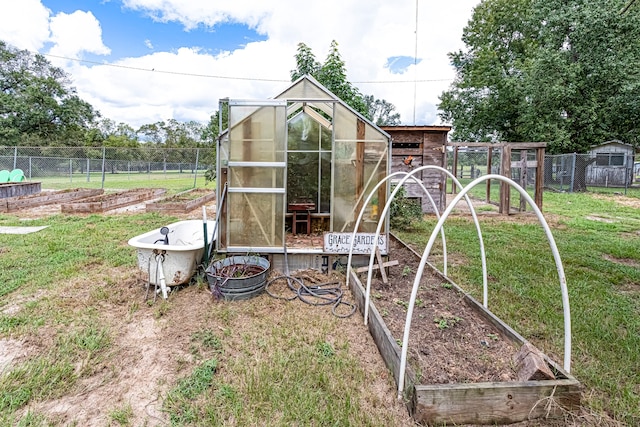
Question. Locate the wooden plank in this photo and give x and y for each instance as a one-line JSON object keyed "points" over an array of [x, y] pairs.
{"points": [[530, 364], [520, 164], [376, 266], [539, 178], [505, 189], [49, 198], [17, 189], [111, 201], [494, 403], [383, 272]]}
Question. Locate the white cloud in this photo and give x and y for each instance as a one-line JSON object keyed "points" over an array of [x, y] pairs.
{"points": [[368, 34], [24, 24], [75, 33]]}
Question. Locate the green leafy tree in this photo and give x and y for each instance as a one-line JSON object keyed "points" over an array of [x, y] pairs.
{"points": [[38, 106], [332, 74], [547, 70], [381, 112]]}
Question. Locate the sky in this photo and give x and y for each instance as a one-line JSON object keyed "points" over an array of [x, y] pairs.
{"points": [[144, 61]]}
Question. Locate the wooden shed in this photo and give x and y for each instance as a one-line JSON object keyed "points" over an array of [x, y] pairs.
{"points": [[613, 165], [415, 146], [294, 172]]}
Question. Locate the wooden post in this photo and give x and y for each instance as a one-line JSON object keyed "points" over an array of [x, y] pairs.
{"points": [[505, 189], [454, 169], [523, 178], [360, 134], [539, 177], [489, 158]]}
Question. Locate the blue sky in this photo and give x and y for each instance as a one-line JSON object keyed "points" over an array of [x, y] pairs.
{"points": [[142, 61], [130, 32]]}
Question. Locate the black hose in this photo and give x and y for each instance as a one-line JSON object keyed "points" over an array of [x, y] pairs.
{"points": [[329, 293]]}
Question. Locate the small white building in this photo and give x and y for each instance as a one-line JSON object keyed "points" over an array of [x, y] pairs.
{"points": [[613, 166]]}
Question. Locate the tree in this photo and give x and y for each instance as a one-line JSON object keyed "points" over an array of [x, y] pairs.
{"points": [[333, 75], [381, 112], [37, 104], [547, 70]]}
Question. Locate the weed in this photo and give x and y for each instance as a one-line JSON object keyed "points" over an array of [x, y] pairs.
{"points": [[447, 285], [325, 349], [402, 303], [122, 416], [161, 309], [446, 322], [406, 270]]}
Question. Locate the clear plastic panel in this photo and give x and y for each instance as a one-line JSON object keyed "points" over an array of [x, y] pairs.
{"points": [[258, 138], [256, 220], [302, 176], [256, 177], [304, 133], [344, 186], [345, 123], [304, 89]]}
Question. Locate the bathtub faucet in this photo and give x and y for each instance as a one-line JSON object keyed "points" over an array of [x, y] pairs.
{"points": [[165, 232]]}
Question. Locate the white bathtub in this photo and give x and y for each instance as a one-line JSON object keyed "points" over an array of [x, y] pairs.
{"points": [[181, 256]]}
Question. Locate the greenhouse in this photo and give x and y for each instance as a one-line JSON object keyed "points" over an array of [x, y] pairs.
{"points": [[295, 171]]}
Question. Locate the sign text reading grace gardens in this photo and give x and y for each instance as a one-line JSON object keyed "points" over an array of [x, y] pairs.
{"points": [[339, 243]]}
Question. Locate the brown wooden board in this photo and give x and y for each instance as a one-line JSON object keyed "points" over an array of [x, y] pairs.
{"points": [[180, 203], [17, 189], [472, 403], [107, 202], [49, 198]]}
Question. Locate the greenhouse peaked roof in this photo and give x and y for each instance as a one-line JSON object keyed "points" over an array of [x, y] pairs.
{"points": [[307, 90]]}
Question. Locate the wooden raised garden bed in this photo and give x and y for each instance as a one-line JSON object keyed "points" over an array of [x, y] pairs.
{"points": [[182, 202], [464, 366], [48, 198], [107, 202], [17, 189]]}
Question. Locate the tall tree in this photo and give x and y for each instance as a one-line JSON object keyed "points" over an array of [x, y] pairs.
{"points": [[333, 75], [547, 70], [381, 112], [38, 106]]}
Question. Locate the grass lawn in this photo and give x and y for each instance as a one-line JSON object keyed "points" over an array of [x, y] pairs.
{"points": [[79, 346]]}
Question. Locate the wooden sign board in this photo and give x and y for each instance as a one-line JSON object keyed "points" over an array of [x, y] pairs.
{"points": [[339, 243]]}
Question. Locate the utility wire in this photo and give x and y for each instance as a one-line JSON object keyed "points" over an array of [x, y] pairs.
{"points": [[212, 76]]}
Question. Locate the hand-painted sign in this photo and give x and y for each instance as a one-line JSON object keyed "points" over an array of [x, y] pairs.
{"points": [[340, 243]]}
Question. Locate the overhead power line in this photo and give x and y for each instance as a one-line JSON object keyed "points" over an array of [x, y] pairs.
{"points": [[213, 76]]}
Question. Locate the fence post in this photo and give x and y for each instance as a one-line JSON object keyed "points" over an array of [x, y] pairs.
{"points": [[195, 172], [88, 170], [573, 172], [15, 156], [29, 168], [103, 164], [70, 170]]}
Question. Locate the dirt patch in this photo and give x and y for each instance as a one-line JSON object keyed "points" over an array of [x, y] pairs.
{"points": [[620, 199], [449, 341], [623, 261]]}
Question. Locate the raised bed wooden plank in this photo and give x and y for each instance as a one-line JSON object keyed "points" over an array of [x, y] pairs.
{"points": [[111, 201], [173, 204], [473, 403], [17, 189], [48, 198]]}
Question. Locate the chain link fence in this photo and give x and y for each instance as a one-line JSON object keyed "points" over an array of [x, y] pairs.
{"points": [[565, 172], [584, 172], [109, 167]]}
